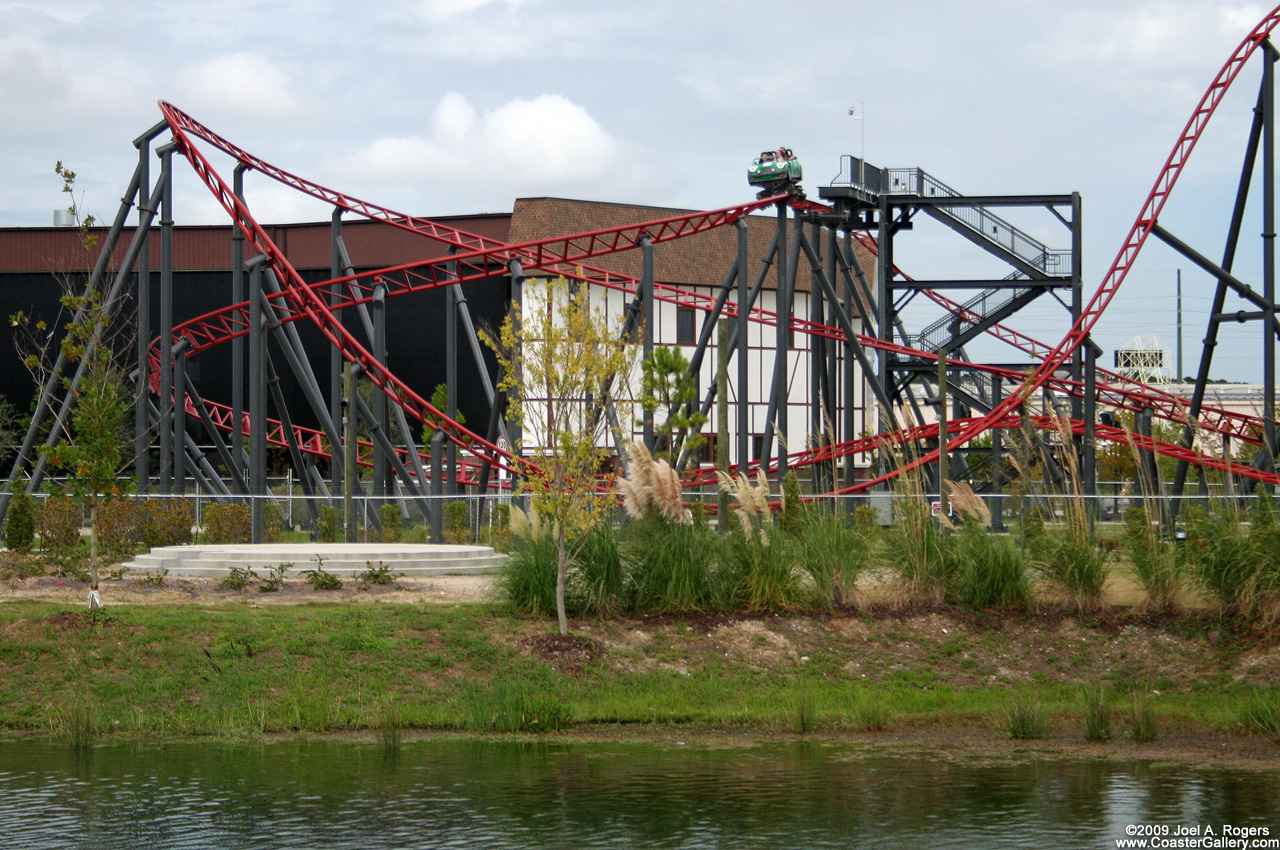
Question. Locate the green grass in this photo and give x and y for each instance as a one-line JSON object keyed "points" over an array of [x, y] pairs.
{"points": [[1026, 719], [241, 672]]}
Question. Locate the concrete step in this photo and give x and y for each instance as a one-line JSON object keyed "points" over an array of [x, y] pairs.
{"points": [[340, 559]]}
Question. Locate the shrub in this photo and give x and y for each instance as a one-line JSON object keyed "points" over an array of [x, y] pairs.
{"points": [[58, 521], [914, 550], [380, 574], [500, 537], [765, 578], [1235, 567], [238, 578], [20, 521], [275, 578], [166, 522], [228, 523], [272, 523], [119, 526], [320, 580], [329, 525], [389, 517], [456, 528]]}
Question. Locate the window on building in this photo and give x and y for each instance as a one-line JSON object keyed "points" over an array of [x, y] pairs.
{"points": [[686, 333]]}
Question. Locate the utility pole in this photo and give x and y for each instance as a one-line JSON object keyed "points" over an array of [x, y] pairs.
{"points": [[1180, 372]]}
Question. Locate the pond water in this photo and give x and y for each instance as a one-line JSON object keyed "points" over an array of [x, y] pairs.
{"points": [[513, 795]]}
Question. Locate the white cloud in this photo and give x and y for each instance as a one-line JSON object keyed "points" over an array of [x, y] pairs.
{"points": [[547, 144], [442, 9], [238, 84]]}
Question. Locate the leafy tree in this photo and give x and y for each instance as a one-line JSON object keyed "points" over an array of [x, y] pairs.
{"points": [[669, 388], [90, 449], [555, 358]]}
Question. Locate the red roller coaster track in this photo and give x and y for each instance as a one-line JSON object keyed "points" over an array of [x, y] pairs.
{"points": [[482, 258]]}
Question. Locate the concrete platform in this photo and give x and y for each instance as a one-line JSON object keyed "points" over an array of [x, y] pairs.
{"points": [[341, 559]]}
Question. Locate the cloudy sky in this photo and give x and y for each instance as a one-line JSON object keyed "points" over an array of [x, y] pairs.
{"points": [[460, 106]]}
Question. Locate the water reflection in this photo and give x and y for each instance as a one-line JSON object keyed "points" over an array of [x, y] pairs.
{"points": [[469, 793]]}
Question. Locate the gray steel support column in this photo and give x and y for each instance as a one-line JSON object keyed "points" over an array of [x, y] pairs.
{"points": [[141, 419], [286, 428], [237, 344], [997, 461], [381, 462], [944, 473], [776, 417], [335, 356], [1269, 256], [167, 447], [350, 474], [1090, 415], [1210, 341], [451, 383], [743, 350], [291, 346], [380, 436], [215, 437], [437, 486], [817, 369], [884, 321], [477, 351], [646, 301], [257, 399], [517, 279], [850, 374], [179, 418]]}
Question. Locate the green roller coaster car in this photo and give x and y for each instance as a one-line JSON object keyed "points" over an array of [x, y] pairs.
{"points": [[776, 172]]}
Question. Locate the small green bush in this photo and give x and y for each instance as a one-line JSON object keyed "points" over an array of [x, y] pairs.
{"points": [[275, 578], [58, 521], [380, 574], [228, 523], [119, 528], [833, 553], [20, 521], [329, 525], [1078, 567], [321, 580], [457, 530], [389, 517], [166, 522], [238, 578]]}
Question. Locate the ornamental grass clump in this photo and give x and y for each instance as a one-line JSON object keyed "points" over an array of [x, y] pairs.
{"points": [[1026, 719], [671, 562], [527, 580], [762, 567], [1096, 709], [1154, 559], [598, 583], [986, 570], [1239, 567], [833, 552], [1072, 560], [915, 548]]}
